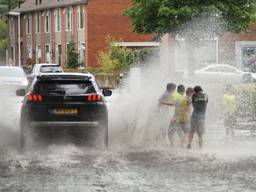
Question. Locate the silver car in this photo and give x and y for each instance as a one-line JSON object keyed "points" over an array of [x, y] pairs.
{"points": [[44, 68], [11, 79], [222, 73]]}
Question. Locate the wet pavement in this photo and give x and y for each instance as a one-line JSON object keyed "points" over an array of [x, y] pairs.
{"points": [[223, 165]]}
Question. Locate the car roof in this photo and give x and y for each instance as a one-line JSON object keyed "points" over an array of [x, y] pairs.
{"points": [[65, 76], [220, 65]]}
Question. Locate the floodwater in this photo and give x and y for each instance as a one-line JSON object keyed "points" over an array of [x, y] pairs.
{"points": [[225, 164]]}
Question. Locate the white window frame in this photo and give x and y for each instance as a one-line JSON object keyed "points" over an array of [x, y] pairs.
{"points": [[29, 51], [58, 18], [81, 7], [47, 44], [67, 44], [38, 23], [12, 49], [12, 26], [69, 18], [57, 53], [79, 53], [28, 24], [38, 53], [47, 19]]}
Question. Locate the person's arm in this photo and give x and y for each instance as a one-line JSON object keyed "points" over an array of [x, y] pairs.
{"points": [[166, 103]]}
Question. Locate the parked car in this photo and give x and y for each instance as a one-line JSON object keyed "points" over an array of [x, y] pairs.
{"points": [[11, 79], [68, 101], [44, 68], [222, 73]]}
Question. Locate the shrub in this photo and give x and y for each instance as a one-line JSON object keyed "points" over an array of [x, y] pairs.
{"points": [[72, 56], [246, 96], [116, 58]]}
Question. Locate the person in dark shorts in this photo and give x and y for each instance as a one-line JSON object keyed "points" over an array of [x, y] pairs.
{"points": [[199, 103]]}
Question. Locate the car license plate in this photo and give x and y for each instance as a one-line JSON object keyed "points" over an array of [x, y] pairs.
{"points": [[65, 111]]}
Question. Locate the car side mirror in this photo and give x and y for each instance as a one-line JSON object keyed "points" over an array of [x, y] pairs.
{"points": [[106, 92], [21, 92]]}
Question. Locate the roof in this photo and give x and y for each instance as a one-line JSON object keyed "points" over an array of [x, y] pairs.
{"points": [[30, 5]]}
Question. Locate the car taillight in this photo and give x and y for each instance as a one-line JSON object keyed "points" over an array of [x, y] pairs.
{"points": [[94, 98], [35, 97]]}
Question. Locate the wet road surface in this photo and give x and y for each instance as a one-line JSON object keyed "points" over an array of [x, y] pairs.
{"points": [[220, 166], [225, 164]]}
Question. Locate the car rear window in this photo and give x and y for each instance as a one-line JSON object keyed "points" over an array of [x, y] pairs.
{"points": [[65, 87], [50, 69]]}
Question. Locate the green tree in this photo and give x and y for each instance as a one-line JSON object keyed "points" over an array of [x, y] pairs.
{"points": [[3, 34], [180, 17], [72, 56], [115, 58], [7, 5]]}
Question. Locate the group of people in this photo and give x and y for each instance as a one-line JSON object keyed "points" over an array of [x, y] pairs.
{"points": [[189, 116]]}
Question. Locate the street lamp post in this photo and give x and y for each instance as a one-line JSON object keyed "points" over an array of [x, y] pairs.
{"points": [[18, 15]]}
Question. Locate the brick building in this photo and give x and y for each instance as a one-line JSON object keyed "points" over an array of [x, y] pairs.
{"points": [[235, 49], [48, 26]]}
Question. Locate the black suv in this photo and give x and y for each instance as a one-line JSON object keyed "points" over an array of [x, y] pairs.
{"points": [[64, 101]]}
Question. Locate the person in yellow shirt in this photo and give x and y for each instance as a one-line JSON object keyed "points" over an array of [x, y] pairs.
{"points": [[174, 123], [230, 108], [184, 112]]}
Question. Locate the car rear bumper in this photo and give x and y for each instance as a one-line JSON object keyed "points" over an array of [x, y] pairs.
{"points": [[64, 124]]}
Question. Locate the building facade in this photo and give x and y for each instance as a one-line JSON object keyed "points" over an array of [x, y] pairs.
{"points": [[229, 48], [47, 27]]}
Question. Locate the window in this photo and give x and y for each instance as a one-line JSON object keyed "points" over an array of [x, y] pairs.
{"points": [[28, 24], [81, 51], [58, 58], [69, 18], [11, 57], [68, 46], [81, 17], [59, 87], [50, 69], [38, 22], [38, 54], [12, 26], [58, 20], [29, 49], [47, 22], [47, 53]]}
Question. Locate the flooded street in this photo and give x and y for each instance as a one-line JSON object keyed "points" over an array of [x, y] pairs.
{"points": [[224, 164], [221, 166]]}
